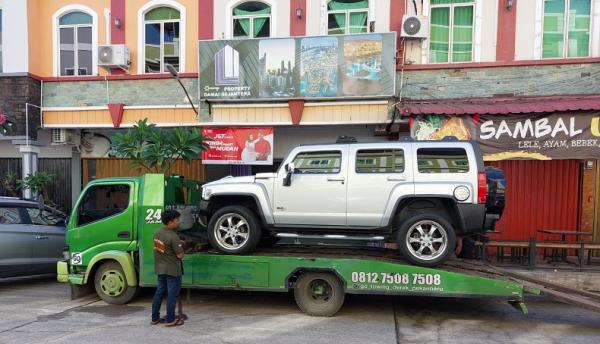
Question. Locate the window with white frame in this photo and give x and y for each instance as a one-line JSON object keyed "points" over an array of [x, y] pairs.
{"points": [[347, 16], [75, 44], [566, 30], [451, 31], [251, 19], [162, 44]]}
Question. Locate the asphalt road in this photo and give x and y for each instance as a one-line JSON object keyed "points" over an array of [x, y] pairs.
{"points": [[40, 311]]}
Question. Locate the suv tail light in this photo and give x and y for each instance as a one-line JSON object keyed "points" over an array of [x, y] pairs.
{"points": [[481, 188]]}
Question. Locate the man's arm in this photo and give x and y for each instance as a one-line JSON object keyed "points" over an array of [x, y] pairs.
{"points": [[177, 247]]}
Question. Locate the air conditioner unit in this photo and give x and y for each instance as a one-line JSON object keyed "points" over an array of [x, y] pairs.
{"points": [[65, 137], [114, 56], [415, 26]]}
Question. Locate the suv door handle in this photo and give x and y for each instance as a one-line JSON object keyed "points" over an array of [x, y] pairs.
{"points": [[124, 234], [396, 179], [41, 237], [336, 179]]}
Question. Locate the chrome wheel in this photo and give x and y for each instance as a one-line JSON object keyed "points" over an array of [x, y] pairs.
{"points": [[426, 240], [231, 231]]}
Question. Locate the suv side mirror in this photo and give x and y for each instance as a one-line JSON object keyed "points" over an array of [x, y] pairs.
{"points": [[289, 168]]}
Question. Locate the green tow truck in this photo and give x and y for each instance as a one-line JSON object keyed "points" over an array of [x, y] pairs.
{"points": [[109, 247]]}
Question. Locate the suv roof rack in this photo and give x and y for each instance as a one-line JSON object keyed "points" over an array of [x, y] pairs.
{"points": [[450, 138], [346, 139]]}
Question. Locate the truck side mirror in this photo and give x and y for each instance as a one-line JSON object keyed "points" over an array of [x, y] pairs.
{"points": [[289, 168]]}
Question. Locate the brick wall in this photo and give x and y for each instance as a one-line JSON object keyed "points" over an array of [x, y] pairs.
{"points": [[15, 91]]}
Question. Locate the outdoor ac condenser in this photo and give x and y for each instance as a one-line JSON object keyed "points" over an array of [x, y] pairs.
{"points": [[415, 27], [114, 56]]}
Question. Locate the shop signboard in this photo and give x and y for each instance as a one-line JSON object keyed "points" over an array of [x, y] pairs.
{"points": [[242, 146], [523, 136], [315, 67]]}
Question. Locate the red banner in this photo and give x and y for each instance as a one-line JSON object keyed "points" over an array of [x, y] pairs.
{"points": [[242, 146]]}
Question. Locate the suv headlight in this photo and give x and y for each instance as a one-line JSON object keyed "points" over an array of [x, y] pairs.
{"points": [[206, 192]]}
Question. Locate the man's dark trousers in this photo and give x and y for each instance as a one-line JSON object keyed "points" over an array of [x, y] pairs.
{"points": [[171, 286]]}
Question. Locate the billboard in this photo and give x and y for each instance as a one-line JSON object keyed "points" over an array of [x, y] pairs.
{"points": [[242, 146], [320, 67], [524, 136]]}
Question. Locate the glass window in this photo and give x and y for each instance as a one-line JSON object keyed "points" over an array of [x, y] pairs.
{"points": [[442, 160], [347, 16], [44, 217], [75, 46], [566, 28], [451, 31], [162, 44], [252, 19], [318, 162], [102, 201], [10, 216], [380, 161]]}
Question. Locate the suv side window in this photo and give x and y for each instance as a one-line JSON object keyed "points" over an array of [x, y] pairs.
{"points": [[380, 161], [442, 160], [10, 216], [44, 217], [323, 162], [102, 201]]}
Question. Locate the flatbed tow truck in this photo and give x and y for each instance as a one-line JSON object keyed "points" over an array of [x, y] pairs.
{"points": [[112, 252]]}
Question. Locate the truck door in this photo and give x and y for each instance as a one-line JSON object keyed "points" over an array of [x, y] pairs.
{"points": [[103, 215], [317, 194]]}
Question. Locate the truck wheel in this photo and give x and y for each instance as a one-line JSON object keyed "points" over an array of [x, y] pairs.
{"points": [[111, 284], [426, 239], [319, 294], [234, 230]]}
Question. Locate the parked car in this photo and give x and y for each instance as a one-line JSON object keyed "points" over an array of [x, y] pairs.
{"points": [[31, 238], [421, 195]]}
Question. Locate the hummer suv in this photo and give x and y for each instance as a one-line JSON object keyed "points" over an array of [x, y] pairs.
{"points": [[421, 195]]}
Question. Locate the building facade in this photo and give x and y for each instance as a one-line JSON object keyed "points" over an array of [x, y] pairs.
{"points": [[473, 58]]}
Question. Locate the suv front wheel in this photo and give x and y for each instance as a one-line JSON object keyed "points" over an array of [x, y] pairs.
{"points": [[234, 230], [426, 239]]}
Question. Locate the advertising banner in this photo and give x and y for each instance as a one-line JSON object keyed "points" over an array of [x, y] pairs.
{"points": [[242, 146], [341, 66], [528, 136]]}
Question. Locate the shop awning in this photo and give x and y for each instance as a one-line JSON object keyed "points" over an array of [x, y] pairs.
{"points": [[499, 105]]}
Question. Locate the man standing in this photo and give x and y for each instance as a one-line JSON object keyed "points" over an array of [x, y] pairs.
{"points": [[262, 147], [168, 253]]}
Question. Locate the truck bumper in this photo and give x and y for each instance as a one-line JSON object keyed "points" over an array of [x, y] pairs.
{"points": [[203, 207], [63, 275], [62, 272]]}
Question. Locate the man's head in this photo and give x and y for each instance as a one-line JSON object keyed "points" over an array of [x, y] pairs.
{"points": [[170, 218], [261, 134]]}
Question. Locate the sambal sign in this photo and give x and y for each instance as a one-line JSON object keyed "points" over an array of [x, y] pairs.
{"points": [[529, 136]]}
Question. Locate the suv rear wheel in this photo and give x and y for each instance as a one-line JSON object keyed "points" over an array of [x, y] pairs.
{"points": [[426, 239], [234, 230]]}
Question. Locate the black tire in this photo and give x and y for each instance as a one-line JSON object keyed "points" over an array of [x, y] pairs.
{"points": [[323, 305], [106, 282], [252, 229], [434, 258]]}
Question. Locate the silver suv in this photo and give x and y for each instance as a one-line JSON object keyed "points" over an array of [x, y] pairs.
{"points": [[421, 195]]}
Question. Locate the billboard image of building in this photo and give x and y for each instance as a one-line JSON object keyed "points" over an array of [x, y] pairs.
{"points": [[277, 66], [362, 64], [319, 66]]}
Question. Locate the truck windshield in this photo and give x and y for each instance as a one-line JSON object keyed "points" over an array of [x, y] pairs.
{"points": [[102, 201]]}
